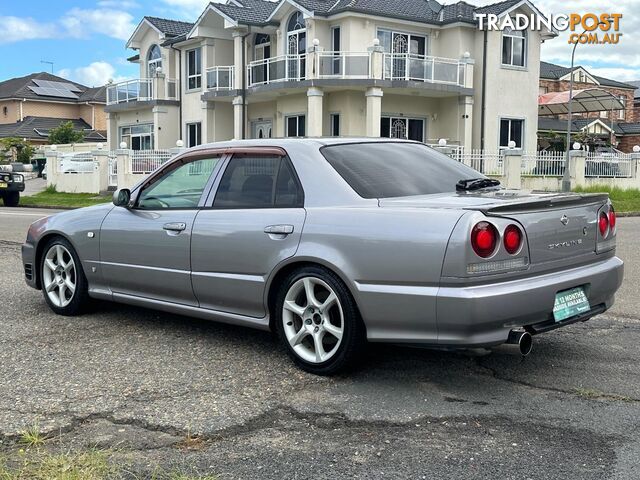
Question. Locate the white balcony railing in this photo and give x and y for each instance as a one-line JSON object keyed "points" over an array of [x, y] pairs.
{"points": [[343, 65], [220, 78], [284, 68], [420, 68], [140, 90]]}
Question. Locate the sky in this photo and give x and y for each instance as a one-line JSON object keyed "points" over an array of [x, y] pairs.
{"points": [[86, 39]]}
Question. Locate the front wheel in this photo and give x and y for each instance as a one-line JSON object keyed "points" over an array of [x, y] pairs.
{"points": [[318, 321], [64, 284], [11, 199]]}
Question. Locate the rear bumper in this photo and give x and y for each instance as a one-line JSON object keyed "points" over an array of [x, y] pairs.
{"points": [[483, 315]]}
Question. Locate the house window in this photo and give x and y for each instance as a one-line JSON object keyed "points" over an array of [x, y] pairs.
{"points": [[543, 90], [514, 43], [137, 137], [194, 134], [194, 69], [401, 127], [295, 126], [623, 101], [511, 130], [335, 124], [154, 60]]}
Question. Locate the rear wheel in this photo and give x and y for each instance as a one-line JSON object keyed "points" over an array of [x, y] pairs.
{"points": [[11, 199], [318, 321], [64, 284]]}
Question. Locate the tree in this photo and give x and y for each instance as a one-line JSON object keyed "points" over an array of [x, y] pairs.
{"points": [[19, 149], [65, 134]]}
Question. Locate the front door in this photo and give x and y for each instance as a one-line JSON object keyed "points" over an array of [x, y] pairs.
{"points": [[145, 250], [254, 223], [262, 129], [296, 47]]}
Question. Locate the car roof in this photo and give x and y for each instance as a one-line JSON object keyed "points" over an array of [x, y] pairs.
{"points": [[284, 142]]}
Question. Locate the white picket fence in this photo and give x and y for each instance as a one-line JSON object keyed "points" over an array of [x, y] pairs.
{"points": [[487, 163], [543, 164], [606, 165], [146, 161]]}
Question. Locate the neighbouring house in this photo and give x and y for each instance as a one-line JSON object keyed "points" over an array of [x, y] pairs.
{"points": [[30, 106], [619, 129], [556, 78], [414, 69]]}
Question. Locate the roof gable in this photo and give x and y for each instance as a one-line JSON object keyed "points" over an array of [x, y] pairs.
{"points": [[164, 27]]}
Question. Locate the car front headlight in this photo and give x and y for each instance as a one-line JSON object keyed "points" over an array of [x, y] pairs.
{"points": [[5, 178], [18, 178]]}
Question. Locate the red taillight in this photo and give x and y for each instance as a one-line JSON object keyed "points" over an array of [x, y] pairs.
{"points": [[603, 224], [512, 239], [484, 238], [612, 218]]}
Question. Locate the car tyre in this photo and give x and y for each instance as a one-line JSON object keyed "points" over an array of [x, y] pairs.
{"points": [[318, 321], [64, 284], [11, 199]]}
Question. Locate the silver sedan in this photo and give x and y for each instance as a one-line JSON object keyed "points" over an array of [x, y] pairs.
{"points": [[335, 242]]}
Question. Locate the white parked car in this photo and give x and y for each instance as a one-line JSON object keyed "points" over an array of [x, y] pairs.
{"points": [[77, 163]]}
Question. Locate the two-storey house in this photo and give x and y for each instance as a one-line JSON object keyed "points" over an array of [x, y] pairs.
{"points": [[411, 69]]}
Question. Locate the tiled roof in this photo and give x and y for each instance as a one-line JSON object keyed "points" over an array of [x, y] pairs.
{"points": [[560, 125], [37, 128], [257, 12], [171, 28], [552, 71], [253, 12], [497, 8], [636, 83], [19, 88]]}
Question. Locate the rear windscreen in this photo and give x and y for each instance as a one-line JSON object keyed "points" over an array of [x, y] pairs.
{"points": [[384, 170]]}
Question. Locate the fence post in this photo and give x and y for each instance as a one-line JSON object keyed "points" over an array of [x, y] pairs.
{"points": [[577, 166], [513, 168], [635, 164], [123, 160], [178, 149], [52, 166], [101, 157]]}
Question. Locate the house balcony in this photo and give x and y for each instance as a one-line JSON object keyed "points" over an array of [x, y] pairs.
{"points": [[401, 74], [141, 92], [220, 78]]}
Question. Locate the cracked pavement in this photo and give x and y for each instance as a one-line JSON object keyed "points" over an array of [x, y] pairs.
{"points": [[165, 390]]}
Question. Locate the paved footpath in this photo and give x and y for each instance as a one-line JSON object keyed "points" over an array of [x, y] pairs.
{"points": [[137, 381]]}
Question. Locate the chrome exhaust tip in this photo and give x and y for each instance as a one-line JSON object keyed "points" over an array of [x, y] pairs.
{"points": [[523, 340]]}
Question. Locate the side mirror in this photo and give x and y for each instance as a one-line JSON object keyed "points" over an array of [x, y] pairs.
{"points": [[121, 197]]}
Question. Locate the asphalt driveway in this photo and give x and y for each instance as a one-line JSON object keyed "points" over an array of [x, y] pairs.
{"points": [[158, 389]]}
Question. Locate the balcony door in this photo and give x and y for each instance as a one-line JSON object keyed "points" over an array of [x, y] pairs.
{"points": [[262, 53], [408, 53], [296, 46], [402, 127]]}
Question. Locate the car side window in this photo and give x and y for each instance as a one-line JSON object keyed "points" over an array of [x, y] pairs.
{"points": [[180, 187], [253, 181]]}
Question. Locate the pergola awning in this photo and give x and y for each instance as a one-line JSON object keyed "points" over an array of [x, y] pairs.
{"points": [[582, 101]]}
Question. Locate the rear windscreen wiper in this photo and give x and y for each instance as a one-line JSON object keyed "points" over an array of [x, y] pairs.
{"points": [[476, 184]]}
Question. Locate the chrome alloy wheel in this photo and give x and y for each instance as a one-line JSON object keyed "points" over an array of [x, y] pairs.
{"points": [[313, 320], [59, 276]]}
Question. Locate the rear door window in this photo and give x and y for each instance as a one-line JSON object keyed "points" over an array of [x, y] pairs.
{"points": [[253, 181]]}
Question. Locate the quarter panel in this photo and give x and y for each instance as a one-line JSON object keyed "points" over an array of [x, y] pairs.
{"points": [[392, 260]]}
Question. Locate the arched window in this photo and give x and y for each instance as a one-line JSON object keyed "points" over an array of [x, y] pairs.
{"points": [[514, 47], [154, 60], [296, 22]]}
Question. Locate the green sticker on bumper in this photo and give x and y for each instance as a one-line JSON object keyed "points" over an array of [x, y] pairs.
{"points": [[570, 303]]}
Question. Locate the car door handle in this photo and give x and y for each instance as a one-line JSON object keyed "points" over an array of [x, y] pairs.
{"points": [[175, 227], [279, 229]]}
